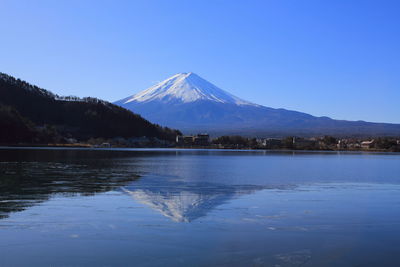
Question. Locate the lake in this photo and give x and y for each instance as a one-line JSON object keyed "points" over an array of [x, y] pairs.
{"points": [[149, 207]]}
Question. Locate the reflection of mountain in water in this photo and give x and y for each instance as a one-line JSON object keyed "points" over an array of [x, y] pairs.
{"points": [[185, 202]]}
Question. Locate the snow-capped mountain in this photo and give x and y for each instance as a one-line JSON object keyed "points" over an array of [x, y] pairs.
{"points": [[185, 88], [192, 104]]}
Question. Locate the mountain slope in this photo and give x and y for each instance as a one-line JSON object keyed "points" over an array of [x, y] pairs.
{"points": [[190, 103], [185, 88], [70, 116]]}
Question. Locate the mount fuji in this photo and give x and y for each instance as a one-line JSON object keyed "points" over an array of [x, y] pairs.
{"points": [[190, 103]]}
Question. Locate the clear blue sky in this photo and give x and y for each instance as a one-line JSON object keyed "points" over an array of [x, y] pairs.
{"points": [[335, 58]]}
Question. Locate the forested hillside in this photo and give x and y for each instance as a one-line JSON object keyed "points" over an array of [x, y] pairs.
{"points": [[31, 114]]}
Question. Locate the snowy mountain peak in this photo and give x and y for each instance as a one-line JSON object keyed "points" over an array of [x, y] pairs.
{"points": [[185, 88]]}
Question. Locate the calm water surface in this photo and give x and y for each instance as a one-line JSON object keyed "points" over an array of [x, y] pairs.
{"points": [[79, 207]]}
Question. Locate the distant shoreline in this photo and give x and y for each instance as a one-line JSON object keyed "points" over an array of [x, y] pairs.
{"points": [[90, 147]]}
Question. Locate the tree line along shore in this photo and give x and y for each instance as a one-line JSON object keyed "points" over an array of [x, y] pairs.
{"points": [[203, 141]]}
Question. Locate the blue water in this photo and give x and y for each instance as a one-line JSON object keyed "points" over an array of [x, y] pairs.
{"points": [[80, 207]]}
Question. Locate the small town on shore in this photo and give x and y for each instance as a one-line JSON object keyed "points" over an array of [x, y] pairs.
{"points": [[292, 142], [204, 141]]}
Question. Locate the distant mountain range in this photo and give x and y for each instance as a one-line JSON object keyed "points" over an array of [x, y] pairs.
{"points": [[30, 114], [192, 104]]}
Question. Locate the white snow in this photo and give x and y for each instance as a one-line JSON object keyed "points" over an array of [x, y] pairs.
{"points": [[186, 88]]}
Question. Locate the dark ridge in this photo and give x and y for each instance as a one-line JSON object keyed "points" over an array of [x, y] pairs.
{"points": [[32, 114]]}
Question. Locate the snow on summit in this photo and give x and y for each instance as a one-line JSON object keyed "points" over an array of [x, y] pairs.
{"points": [[185, 88]]}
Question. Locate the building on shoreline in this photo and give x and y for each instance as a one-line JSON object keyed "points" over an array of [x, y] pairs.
{"points": [[367, 144], [202, 139]]}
